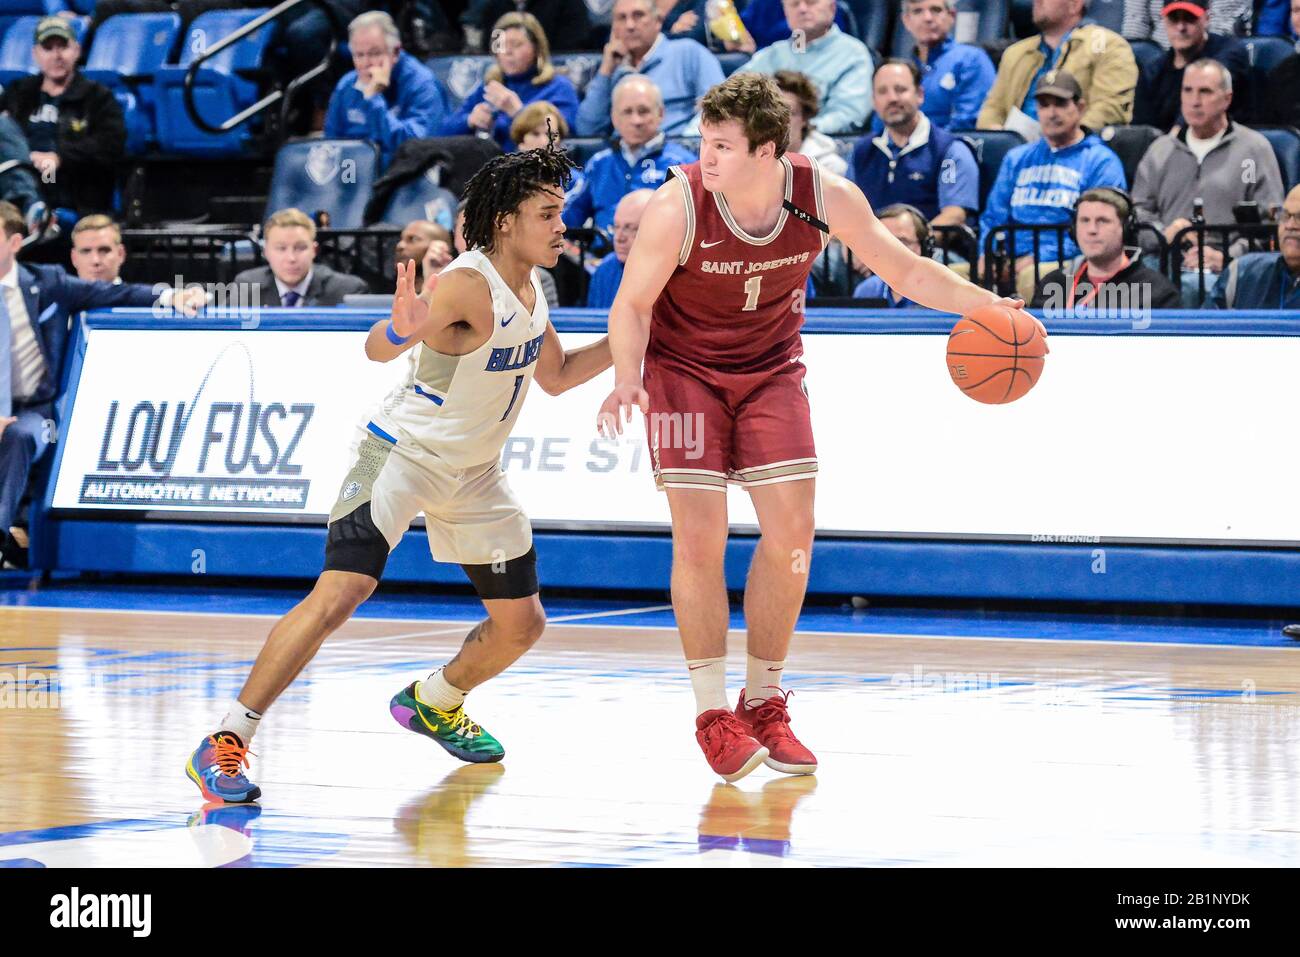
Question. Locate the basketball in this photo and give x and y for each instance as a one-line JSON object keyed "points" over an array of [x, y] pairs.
{"points": [[995, 355]]}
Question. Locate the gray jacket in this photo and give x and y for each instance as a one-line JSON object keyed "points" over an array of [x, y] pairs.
{"points": [[327, 287], [1241, 168]]}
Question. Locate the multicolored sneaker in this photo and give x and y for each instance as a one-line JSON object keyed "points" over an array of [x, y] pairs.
{"points": [[215, 766], [454, 730], [727, 744], [768, 720]]}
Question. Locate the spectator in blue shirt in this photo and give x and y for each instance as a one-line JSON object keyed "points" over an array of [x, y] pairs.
{"points": [[839, 64], [682, 69], [627, 219], [956, 76], [390, 97], [1040, 182], [638, 158], [1266, 280], [913, 232], [914, 161], [522, 74], [1277, 18]]}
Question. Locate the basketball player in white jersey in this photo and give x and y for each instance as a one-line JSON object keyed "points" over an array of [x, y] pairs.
{"points": [[475, 338]]}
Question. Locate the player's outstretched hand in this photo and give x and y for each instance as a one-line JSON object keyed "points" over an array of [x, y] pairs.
{"points": [[410, 308], [1019, 305], [617, 409]]}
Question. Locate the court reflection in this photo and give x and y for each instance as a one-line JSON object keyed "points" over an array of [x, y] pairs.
{"points": [[759, 821], [433, 825]]}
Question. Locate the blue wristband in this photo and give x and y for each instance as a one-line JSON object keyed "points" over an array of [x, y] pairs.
{"points": [[393, 337]]}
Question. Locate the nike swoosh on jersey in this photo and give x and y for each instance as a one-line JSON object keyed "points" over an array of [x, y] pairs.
{"points": [[506, 322], [704, 245]]}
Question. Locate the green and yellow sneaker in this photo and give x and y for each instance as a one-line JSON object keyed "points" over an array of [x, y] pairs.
{"points": [[454, 730]]}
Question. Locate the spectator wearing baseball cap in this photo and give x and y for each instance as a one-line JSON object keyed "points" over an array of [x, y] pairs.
{"points": [[1187, 24], [1144, 19], [1039, 183], [74, 126]]}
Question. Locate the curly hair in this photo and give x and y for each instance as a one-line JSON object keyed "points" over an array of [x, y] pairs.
{"points": [[501, 187]]}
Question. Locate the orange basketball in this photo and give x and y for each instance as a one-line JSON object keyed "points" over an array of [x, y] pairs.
{"points": [[995, 354]]}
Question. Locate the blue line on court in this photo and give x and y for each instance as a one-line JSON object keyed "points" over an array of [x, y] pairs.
{"points": [[419, 608]]}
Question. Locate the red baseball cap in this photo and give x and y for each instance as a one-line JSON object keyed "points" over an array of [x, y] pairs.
{"points": [[1197, 8]]}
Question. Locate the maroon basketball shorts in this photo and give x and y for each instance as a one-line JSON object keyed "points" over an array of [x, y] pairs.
{"points": [[707, 428]]}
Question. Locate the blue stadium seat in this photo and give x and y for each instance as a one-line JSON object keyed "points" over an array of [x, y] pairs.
{"points": [[1148, 55], [16, 60], [731, 62], [578, 67], [84, 7], [11, 10], [1264, 53], [1285, 141], [128, 50], [978, 21], [871, 20], [990, 147], [422, 198], [334, 176], [1106, 13], [1130, 144], [224, 85], [581, 149], [459, 75]]}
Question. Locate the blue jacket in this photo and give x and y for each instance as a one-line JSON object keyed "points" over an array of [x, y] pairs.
{"points": [[559, 92], [604, 283], [608, 177], [1037, 184], [52, 298], [956, 79], [1274, 19], [411, 107], [873, 287], [1257, 281], [682, 69], [765, 20], [933, 170]]}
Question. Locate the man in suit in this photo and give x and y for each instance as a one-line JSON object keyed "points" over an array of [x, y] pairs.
{"points": [[37, 304], [292, 277]]}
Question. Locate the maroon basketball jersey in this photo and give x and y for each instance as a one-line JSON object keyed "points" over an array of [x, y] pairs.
{"points": [[736, 301]]}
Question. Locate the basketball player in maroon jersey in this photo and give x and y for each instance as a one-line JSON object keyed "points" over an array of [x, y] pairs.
{"points": [[711, 299]]}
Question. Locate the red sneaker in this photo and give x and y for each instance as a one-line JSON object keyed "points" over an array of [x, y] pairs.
{"points": [[769, 721], [727, 745]]}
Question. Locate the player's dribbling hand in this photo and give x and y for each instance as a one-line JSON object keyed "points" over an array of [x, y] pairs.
{"points": [[1019, 305], [617, 409], [410, 309]]}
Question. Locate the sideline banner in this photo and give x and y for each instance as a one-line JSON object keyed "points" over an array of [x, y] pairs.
{"points": [[1183, 439]]}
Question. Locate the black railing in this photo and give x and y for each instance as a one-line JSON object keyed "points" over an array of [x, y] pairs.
{"points": [[285, 95], [1000, 259], [1221, 236], [217, 255]]}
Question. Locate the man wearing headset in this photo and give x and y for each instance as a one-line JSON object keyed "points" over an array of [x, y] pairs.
{"points": [[1104, 278], [910, 227]]}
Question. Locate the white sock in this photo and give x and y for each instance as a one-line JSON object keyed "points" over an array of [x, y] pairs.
{"points": [[763, 678], [437, 692], [242, 720], [709, 682]]}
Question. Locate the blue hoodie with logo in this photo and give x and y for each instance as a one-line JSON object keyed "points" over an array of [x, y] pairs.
{"points": [[1038, 184], [410, 108]]}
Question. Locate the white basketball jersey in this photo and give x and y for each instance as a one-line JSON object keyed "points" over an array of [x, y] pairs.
{"points": [[462, 408]]}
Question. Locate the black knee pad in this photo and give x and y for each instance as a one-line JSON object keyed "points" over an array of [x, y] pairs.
{"points": [[516, 578], [356, 545]]}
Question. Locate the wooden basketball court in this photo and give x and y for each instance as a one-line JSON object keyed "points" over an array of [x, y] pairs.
{"points": [[935, 750]]}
